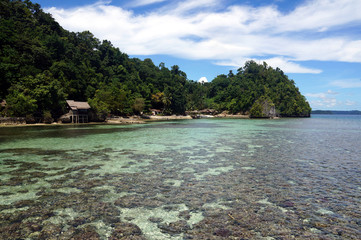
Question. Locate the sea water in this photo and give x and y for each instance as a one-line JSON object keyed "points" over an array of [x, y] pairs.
{"points": [[191, 179]]}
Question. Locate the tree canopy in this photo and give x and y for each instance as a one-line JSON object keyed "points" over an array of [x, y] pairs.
{"points": [[42, 65], [238, 92]]}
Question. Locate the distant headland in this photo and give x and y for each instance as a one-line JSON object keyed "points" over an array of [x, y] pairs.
{"points": [[351, 112]]}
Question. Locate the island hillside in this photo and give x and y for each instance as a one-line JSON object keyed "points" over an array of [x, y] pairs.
{"points": [[42, 65]]}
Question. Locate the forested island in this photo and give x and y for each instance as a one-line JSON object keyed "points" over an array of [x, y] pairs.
{"points": [[42, 65]]}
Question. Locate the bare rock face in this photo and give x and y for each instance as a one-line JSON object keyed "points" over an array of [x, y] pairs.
{"points": [[65, 118], [263, 108]]}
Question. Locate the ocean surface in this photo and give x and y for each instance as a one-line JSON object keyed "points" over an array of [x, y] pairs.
{"points": [[191, 179]]}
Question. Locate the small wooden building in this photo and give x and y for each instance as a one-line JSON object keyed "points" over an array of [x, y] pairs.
{"points": [[155, 111], [78, 111]]}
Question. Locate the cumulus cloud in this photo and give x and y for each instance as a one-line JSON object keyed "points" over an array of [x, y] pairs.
{"points": [[203, 80], [203, 30]]}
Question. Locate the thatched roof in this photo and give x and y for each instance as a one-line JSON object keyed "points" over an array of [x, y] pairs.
{"points": [[77, 105]]}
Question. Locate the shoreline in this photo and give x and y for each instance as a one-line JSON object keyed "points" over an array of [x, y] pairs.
{"points": [[236, 116], [129, 120]]}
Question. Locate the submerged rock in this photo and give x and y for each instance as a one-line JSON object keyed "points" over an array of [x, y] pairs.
{"points": [[174, 227], [50, 231], [155, 219], [89, 233], [287, 204], [126, 231], [223, 232], [185, 214]]}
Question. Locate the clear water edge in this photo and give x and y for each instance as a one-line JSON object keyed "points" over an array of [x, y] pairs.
{"points": [[303, 170]]}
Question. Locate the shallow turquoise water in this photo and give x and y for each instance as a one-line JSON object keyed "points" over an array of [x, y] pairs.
{"points": [[200, 179]]}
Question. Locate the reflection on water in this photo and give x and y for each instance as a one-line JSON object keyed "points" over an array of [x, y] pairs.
{"points": [[195, 179]]}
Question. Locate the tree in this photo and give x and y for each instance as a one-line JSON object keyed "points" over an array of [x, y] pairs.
{"points": [[47, 117], [138, 105], [19, 104], [157, 100]]}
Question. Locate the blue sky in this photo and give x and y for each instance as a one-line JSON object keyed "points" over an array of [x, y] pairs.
{"points": [[317, 43]]}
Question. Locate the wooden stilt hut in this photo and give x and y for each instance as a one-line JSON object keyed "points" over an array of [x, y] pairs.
{"points": [[78, 111]]}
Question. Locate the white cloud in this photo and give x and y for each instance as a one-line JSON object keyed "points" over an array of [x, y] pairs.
{"points": [[332, 92], [347, 83], [323, 99], [203, 80], [139, 3], [328, 103], [329, 100], [285, 65], [316, 95], [183, 7], [289, 66], [320, 15], [322, 95], [200, 30], [350, 103]]}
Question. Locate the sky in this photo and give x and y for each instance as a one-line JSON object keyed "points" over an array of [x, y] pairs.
{"points": [[317, 43]]}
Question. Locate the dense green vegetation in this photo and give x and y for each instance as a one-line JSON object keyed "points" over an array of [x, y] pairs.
{"points": [[238, 92], [42, 65]]}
